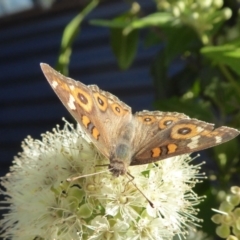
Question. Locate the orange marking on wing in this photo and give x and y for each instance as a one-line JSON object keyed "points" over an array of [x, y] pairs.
{"points": [[147, 119], [156, 152], [163, 123], [62, 84], [101, 101], [184, 131], [118, 110], [171, 148], [83, 99], [206, 133], [95, 133], [214, 133], [55, 78], [85, 121]]}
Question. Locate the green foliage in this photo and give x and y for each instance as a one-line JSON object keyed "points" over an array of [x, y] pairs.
{"points": [[228, 54], [155, 19], [71, 31], [124, 43], [199, 35], [123, 36], [124, 46]]}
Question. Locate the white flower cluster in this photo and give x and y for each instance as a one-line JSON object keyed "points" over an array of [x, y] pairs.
{"points": [[201, 15], [43, 202]]}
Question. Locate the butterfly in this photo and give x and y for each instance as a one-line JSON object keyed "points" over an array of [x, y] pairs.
{"points": [[128, 139]]}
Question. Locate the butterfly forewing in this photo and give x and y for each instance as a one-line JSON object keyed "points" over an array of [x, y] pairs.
{"points": [[98, 112]]}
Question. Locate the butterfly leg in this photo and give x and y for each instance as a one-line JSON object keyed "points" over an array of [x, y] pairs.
{"points": [[131, 178]]}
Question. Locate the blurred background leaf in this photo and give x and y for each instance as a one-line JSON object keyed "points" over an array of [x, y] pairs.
{"points": [[71, 31]]}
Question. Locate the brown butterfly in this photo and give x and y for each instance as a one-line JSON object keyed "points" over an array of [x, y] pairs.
{"points": [[132, 139]]}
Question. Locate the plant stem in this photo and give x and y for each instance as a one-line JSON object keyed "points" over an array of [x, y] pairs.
{"points": [[229, 78]]}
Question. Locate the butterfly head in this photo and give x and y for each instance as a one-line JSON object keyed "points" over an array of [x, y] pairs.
{"points": [[117, 167]]}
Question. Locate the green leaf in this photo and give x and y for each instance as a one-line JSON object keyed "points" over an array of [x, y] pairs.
{"points": [[154, 19], [70, 33], [223, 95], [124, 33], [180, 39], [228, 54], [124, 43], [152, 39], [115, 23], [124, 46]]}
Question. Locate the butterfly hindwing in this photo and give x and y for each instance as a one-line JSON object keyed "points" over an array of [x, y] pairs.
{"points": [[149, 123], [183, 136]]}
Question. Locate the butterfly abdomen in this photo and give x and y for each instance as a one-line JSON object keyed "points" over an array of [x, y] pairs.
{"points": [[121, 155]]}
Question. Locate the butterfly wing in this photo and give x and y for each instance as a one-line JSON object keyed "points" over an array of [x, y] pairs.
{"points": [[157, 135], [175, 134], [98, 112], [149, 123]]}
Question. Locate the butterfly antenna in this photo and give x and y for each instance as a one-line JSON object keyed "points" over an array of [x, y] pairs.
{"points": [[131, 180], [102, 165], [87, 175]]}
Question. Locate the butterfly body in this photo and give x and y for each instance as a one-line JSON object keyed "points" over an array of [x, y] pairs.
{"points": [[132, 139], [121, 155]]}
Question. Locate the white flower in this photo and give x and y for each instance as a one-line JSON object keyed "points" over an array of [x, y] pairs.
{"points": [[194, 234], [45, 201], [105, 229]]}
